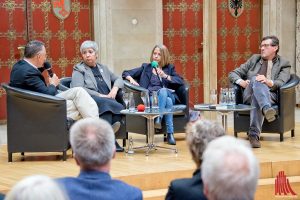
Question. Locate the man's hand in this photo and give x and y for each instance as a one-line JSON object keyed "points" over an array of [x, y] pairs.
{"points": [[263, 79], [54, 80], [245, 83]]}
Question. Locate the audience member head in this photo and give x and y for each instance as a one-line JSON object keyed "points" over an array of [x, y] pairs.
{"points": [[229, 170], [164, 55], [93, 143], [36, 187], [199, 134], [35, 51]]}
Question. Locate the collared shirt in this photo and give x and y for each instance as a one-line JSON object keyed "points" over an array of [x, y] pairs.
{"points": [[30, 63]]}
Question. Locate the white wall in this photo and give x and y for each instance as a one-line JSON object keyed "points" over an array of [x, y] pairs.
{"points": [[127, 30]]}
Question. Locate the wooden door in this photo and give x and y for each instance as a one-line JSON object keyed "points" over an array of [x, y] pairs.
{"points": [[183, 35], [62, 33], [238, 36]]}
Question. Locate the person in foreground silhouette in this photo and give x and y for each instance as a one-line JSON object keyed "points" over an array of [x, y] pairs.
{"points": [[92, 141], [198, 135], [230, 169], [36, 187]]}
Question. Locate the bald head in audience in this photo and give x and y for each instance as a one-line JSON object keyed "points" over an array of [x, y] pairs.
{"points": [[229, 170]]}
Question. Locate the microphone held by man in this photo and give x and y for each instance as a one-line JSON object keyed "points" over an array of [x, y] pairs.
{"points": [[53, 79]]}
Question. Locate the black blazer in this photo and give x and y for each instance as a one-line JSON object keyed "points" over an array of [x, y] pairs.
{"points": [[187, 188], [25, 76], [143, 76]]}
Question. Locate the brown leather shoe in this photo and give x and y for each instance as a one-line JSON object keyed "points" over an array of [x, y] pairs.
{"points": [[254, 141], [269, 113]]}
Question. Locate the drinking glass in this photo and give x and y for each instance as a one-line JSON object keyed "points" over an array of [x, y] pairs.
{"points": [[126, 99], [131, 102], [223, 96], [154, 101], [213, 96], [146, 101], [231, 96]]}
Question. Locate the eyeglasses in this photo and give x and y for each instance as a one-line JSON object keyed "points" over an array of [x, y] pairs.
{"points": [[265, 46]]}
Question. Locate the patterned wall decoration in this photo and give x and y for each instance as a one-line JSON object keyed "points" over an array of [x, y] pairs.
{"points": [[25, 20], [298, 51], [183, 35], [12, 34], [238, 37]]}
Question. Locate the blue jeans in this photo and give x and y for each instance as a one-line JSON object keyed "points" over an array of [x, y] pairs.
{"points": [[257, 94], [166, 101]]}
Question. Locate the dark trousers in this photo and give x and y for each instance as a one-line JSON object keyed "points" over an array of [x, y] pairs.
{"points": [[111, 117], [258, 95]]}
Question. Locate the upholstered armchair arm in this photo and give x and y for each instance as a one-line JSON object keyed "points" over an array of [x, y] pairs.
{"points": [[133, 88], [33, 96], [287, 96], [64, 83]]}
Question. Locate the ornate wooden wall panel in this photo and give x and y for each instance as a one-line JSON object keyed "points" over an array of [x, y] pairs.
{"points": [[238, 37], [62, 37], [183, 35], [12, 34]]}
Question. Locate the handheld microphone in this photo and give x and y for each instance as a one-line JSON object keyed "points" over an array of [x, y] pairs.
{"points": [[48, 67], [154, 64]]}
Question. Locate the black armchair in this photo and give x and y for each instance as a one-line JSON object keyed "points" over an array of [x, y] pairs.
{"points": [[285, 108], [121, 134], [138, 124], [36, 122]]}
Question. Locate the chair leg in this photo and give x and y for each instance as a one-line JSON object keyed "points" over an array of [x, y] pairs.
{"points": [[235, 134], [292, 133], [9, 157], [124, 142], [64, 155], [281, 137]]}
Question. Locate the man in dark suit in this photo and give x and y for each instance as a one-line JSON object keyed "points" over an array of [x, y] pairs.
{"points": [[198, 135], [27, 74], [92, 141], [261, 76]]}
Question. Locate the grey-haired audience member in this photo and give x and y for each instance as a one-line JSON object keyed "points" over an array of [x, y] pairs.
{"points": [[36, 187], [229, 170], [93, 144], [198, 135]]}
